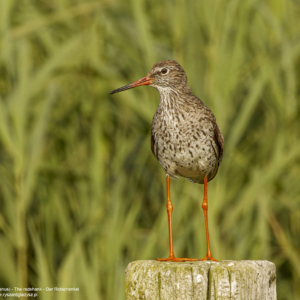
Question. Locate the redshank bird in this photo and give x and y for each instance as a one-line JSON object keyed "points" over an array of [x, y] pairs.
{"points": [[185, 137]]}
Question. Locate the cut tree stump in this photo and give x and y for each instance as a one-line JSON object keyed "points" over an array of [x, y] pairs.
{"points": [[247, 279]]}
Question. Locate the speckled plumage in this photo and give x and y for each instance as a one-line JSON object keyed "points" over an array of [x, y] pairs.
{"points": [[185, 137]]}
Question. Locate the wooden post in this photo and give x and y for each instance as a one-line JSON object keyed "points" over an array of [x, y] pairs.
{"points": [[207, 280]]}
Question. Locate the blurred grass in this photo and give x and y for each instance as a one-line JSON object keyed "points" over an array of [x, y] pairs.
{"points": [[81, 193]]}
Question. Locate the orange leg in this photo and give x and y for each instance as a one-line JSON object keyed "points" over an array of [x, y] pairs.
{"points": [[169, 210], [205, 207]]}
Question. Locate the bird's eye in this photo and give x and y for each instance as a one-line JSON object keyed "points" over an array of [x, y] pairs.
{"points": [[164, 71]]}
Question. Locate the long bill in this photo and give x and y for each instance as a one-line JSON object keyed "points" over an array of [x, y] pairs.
{"points": [[143, 81]]}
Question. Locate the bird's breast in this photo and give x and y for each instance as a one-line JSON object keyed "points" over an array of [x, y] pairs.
{"points": [[184, 143]]}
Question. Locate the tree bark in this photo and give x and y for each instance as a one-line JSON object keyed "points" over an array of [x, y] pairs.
{"points": [[150, 279]]}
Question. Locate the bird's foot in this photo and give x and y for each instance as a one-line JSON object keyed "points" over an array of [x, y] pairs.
{"points": [[176, 259], [208, 258]]}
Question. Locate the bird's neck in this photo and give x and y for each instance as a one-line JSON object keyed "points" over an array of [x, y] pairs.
{"points": [[172, 98]]}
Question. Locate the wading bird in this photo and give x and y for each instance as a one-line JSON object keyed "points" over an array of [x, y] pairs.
{"points": [[185, 137]]}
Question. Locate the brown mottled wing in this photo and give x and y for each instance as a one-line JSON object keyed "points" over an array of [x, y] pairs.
{"points": [[218, 138], [219, 141], [153, 145]]}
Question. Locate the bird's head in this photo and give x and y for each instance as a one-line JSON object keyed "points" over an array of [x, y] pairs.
{"points": [[166, 74]]}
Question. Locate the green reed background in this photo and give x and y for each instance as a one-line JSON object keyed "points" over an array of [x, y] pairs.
{"points": [[81, 193]]}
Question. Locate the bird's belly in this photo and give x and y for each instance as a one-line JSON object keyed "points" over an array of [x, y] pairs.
{"points": [[191, 158]]}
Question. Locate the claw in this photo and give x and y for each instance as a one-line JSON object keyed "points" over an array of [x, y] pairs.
{"points": [[208, 258]]}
